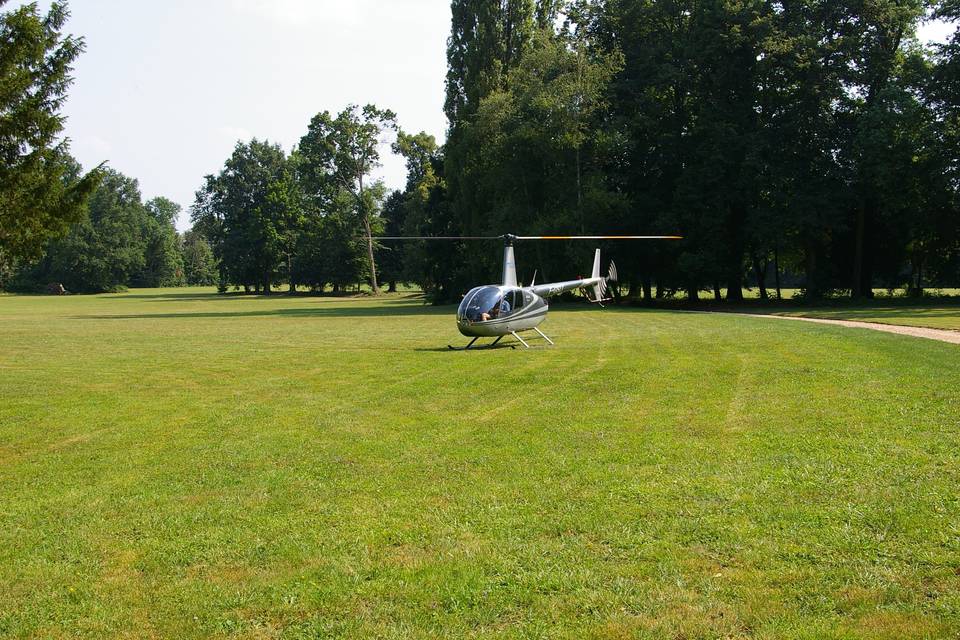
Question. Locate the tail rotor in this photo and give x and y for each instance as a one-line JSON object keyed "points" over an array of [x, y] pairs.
{"points": [[600, 285]]}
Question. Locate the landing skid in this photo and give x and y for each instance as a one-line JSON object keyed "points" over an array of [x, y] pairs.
{"points": [[470, 346], [493, 344]]}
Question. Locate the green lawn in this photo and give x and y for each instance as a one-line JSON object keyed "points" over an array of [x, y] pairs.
{"points": [[180, 464]]}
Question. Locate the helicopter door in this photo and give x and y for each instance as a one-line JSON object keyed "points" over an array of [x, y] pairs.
{"points": [[511, 303], [515, 298]]}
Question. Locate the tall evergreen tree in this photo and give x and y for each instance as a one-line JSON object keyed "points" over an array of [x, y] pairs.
{"points": [[884, 27], [487, 40], [41, 192]]}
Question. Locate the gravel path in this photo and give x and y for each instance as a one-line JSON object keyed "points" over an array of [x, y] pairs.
{"points": [[943, 335]]}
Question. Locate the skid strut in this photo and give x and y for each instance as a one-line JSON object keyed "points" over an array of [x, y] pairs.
{"points": [[514, 334], [544, 336]]}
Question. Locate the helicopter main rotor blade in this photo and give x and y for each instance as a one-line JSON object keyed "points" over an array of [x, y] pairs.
{"points": [[450, 238], [599, 238], [511, 238]]}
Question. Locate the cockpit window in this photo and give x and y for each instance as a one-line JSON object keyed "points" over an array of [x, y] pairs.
{"points": [[481, 304], [489, 303]]}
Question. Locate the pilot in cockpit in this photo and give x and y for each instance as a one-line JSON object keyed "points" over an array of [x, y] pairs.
{"points": [[503, 307]]}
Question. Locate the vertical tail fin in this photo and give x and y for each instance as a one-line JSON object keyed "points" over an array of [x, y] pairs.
{"points": [[599, 289]]}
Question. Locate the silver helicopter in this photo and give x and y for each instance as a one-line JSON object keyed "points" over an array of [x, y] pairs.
{"points": [[507, 309]]}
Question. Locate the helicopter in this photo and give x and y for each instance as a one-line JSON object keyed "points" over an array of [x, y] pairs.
{"points": [[508, 309]]}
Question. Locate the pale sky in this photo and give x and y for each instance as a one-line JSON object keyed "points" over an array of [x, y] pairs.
{"points": [[166, 88]]}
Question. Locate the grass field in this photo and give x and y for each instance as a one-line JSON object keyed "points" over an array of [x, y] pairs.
{"points": [[179, 464]]}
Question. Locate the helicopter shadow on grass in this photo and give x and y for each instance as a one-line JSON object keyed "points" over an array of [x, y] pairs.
{"points": [[242, 296], [304, 312], [324, 306]]}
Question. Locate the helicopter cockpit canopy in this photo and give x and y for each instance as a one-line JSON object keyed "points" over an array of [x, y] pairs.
{"points": [[483, 304]]}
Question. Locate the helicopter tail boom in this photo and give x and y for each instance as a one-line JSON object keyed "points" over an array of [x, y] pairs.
{"points": [[595, 284]]}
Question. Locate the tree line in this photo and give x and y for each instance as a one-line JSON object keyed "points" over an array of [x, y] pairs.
{"points": [[810, 137], [120, 242], [817, 140], [810, 141]]}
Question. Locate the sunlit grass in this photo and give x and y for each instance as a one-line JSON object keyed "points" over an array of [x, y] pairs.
{"points": [[175, 463]]}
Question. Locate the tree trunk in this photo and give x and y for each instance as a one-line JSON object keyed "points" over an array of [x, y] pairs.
{"points": [[266, 284], [735, 279], [373, 264], [761, 273], [693, 292], [776, 270], [393, 287], [717, 293], [647, 293], [735, 289], [915, 289], [366, 225], [857, 289], [293, 285], [810, 263]]}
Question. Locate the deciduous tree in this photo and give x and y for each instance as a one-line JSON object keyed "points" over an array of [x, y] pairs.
{"points": [[341, 153]]}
